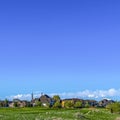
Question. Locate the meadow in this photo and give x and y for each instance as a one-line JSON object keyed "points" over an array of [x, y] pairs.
{"points": [[56, 114]]}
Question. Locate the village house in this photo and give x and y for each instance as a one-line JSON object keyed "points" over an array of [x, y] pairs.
{"points": [[105, 102], [19, 103], [44, 99], [90, 103]]}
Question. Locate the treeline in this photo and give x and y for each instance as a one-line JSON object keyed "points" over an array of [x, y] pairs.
{"points": [[57, 102]]}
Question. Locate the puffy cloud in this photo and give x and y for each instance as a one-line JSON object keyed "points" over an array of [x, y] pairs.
{"points": [[20, 96], [86, 94], [93, 94]]}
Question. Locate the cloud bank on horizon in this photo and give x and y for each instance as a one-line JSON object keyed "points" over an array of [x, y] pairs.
{"points": [[86, 94]]}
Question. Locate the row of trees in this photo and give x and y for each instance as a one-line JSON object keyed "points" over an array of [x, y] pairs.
{"points": [[67, 103], [71, 104], [58, 104], [113, 107]]}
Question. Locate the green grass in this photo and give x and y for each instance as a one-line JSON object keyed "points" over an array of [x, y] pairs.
{"points": [[55, 114]]}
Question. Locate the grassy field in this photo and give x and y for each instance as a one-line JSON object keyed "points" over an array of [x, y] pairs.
{"points": [[55, 114]]}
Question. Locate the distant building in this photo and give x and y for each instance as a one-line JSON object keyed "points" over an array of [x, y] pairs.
{"points": [[105, 102], [19, 103], [46, 100]]}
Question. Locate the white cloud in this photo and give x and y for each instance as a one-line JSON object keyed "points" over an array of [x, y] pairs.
{"points": [[21, 96], [97, 94], [93, 94]]}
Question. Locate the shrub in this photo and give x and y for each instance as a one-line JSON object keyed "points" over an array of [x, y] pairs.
{"points": [[114, 107]]}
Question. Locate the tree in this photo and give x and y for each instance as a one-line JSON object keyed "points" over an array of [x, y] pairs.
{"points": [[69, 104], [87, 105], [57, 104], [56, 98], [114, 107], [1, 104], [78, 104], [38, 103]]}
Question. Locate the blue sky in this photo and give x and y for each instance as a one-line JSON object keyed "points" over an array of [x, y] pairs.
{"points": [[59, 46]]}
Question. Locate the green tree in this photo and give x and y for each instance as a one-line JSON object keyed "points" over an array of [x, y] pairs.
{"points": [[57, 104], [87, 105], [78, 104], [56, 98], [69, 104], [38, 103], [1, 104], [114, 107]]}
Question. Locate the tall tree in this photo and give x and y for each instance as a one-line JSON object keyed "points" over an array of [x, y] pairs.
{"points": [[56, 98]]}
